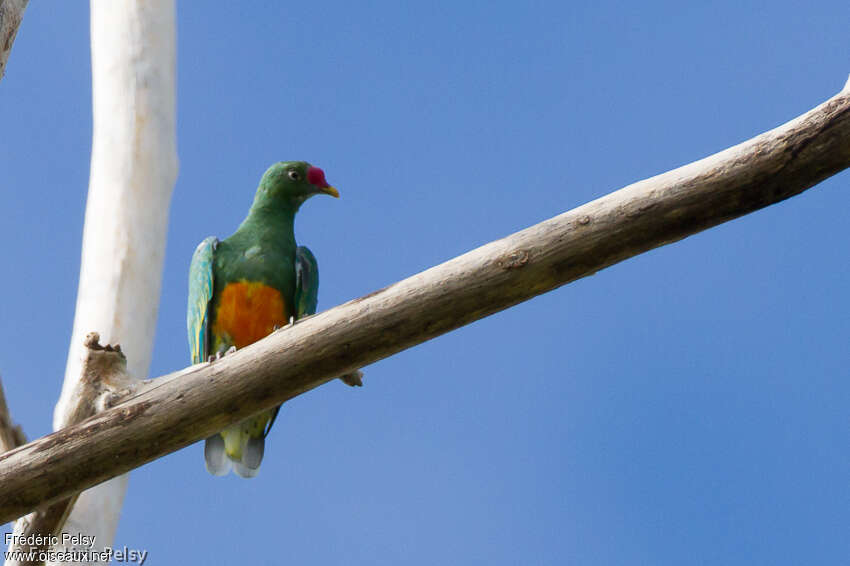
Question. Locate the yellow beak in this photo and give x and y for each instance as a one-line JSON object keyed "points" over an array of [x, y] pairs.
{"points": [[330, 191]]}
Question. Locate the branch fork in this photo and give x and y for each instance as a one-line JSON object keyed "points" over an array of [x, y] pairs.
{"points": [[104, 382]]}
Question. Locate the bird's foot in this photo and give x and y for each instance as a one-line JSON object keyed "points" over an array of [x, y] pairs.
{"points": [[287, 325], [218, 355], [354, 378]]}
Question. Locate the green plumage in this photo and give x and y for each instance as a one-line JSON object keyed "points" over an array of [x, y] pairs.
{"points": [[243, 287]]}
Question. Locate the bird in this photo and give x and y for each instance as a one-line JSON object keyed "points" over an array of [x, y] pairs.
{"points": [[244, 287]]}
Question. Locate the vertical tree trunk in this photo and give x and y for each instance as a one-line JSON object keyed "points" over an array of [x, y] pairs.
{"points": [[133, 169]]}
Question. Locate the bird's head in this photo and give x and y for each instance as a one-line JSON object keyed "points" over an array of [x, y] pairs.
{"points": [[290, 183]]}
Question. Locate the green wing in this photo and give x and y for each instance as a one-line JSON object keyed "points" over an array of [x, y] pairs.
{"points": [[200, 295], [306, 295], [306, 282]]}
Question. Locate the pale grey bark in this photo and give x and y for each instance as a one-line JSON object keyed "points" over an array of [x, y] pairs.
{"points": [[11, 435], [11, 14], [133, 170], [172, 412], [103, 381]]}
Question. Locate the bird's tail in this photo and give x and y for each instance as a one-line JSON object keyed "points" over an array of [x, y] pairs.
{"points": [[218, 464], [240, 447], [252, 457]]}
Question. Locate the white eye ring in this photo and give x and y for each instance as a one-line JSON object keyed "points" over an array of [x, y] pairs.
{"points": [[294, 175]]}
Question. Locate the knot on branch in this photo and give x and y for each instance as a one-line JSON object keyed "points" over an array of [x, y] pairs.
{"points": [[513, 260], [354, 379]]}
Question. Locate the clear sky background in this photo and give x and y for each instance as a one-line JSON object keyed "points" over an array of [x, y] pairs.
{"points": [[687, 406]]}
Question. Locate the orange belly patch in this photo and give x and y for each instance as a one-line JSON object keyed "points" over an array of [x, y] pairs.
{"points": [[248, 311]]}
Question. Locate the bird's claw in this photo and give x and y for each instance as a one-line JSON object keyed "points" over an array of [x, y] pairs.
{"points": [[218, 355], [291, 322]]}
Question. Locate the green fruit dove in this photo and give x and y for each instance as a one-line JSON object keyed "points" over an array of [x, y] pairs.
{"points": [[244, 287]]}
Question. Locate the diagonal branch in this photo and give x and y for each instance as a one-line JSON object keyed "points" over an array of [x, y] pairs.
{"points": [[198, 401], [11, 14], [103, 381], [11, 435]]}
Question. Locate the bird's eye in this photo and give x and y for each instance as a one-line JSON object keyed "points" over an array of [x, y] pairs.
{"points": [[295, 175]]}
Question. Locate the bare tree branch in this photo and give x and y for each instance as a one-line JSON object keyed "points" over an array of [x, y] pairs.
{"points": [[134, 165], [11, 14], [203, 399], [33, 533], [11, 435], [103, 381], [133, 169]]}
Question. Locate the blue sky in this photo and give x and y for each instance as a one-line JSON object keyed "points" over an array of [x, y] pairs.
{"points": [[688, 406]]}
